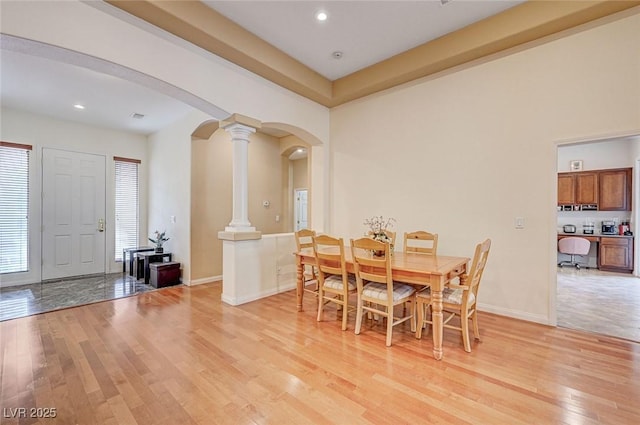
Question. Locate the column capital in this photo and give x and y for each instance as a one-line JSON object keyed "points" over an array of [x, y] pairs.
{"points": [[239, 131], [242, 120]]}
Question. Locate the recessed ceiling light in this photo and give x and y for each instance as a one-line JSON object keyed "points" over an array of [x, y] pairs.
{"points": [[321, 16], [300, 150], [78, 106]]}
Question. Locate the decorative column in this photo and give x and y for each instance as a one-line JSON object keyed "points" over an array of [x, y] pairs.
{"points": [[240, 138], [242, 246]]}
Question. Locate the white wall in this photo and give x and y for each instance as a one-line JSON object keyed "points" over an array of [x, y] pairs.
{"points": [[465, 153], [170, 186], [600, 155], [44, 132]]}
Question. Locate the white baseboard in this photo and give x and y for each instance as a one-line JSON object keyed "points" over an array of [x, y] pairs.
{"points": [[254, 297], [204, 280], [516, 314]]}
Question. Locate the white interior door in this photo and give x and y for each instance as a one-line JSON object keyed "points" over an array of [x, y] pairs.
{"points": [[300, 210], [73, 212]]}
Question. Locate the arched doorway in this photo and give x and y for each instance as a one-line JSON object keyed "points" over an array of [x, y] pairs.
{"points": [[279, 163]]}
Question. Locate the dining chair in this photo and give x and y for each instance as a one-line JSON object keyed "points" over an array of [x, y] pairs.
{"points": [[458, 300], [377, 292], [421, 242], [335, 284], [304, 239]]}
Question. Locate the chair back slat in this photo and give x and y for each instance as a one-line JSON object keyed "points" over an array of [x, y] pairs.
{"points": [[304, 238], [329, 253], [477, 266], [368, 267], [421, 242]]}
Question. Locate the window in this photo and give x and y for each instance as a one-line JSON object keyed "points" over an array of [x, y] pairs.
{"points": [[127, 230], [14, 213]]}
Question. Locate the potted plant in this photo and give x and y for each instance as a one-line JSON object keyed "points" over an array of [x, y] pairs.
{"points": [[378, 227], [159, 240]]}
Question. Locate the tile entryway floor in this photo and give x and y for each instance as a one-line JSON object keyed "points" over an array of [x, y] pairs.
{"points": [[599, 302], [25, 300]]}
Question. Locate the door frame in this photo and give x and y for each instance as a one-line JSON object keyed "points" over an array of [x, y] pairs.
{"points": [[553, 216]]}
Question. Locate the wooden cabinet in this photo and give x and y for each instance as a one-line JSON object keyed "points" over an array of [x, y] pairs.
{"points": [[577, 188], [587, 188], [566, 189], [616, 254], [614, 187], [608, 190]]}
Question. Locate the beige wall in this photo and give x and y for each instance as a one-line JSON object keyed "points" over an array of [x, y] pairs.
{"points": [[211, 201], [300, 177], [466, 153]]}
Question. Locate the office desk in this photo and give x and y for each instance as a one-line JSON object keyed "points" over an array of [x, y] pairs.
{"points": [[614, 253]]}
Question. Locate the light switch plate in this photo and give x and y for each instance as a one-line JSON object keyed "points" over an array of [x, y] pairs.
{"points": [[519, 222]]}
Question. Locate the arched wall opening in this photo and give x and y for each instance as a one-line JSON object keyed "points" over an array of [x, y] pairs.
{"points": [[276, 169], [172, 170]]}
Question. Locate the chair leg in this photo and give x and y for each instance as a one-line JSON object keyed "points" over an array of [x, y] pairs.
{"points": [[389, 324], [320, 305], [359, 309], [413, 315], [464, 325], [420, 307], [345, 311], [427, 314], [474, 322]]}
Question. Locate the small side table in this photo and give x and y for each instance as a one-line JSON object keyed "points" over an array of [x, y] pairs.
{"points": [[151, 257], [132, 251]]}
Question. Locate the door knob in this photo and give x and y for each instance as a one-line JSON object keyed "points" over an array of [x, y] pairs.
{"points": [[101, 225]]}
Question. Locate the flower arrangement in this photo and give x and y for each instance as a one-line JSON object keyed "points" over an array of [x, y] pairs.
{"points": [[159, 240], [378, 226]]}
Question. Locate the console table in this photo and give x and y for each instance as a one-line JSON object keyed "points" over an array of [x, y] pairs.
{"points": [[132, 251]]}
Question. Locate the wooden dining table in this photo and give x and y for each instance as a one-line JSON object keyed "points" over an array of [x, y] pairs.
{"points": [[417, 269]]}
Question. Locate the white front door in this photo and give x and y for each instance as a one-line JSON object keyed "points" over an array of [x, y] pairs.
{"points": [[300, 210], [73, 213]]}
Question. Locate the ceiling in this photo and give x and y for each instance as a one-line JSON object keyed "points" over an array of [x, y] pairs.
{"points": [[369, 34], [51, 88], [365, 32]]}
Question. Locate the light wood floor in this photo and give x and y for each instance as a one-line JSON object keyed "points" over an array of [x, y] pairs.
{"points": [[601, 302], [180, 356]]}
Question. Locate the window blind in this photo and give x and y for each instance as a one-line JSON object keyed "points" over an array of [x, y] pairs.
{"points": [[127, 229], [14, 207]]}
